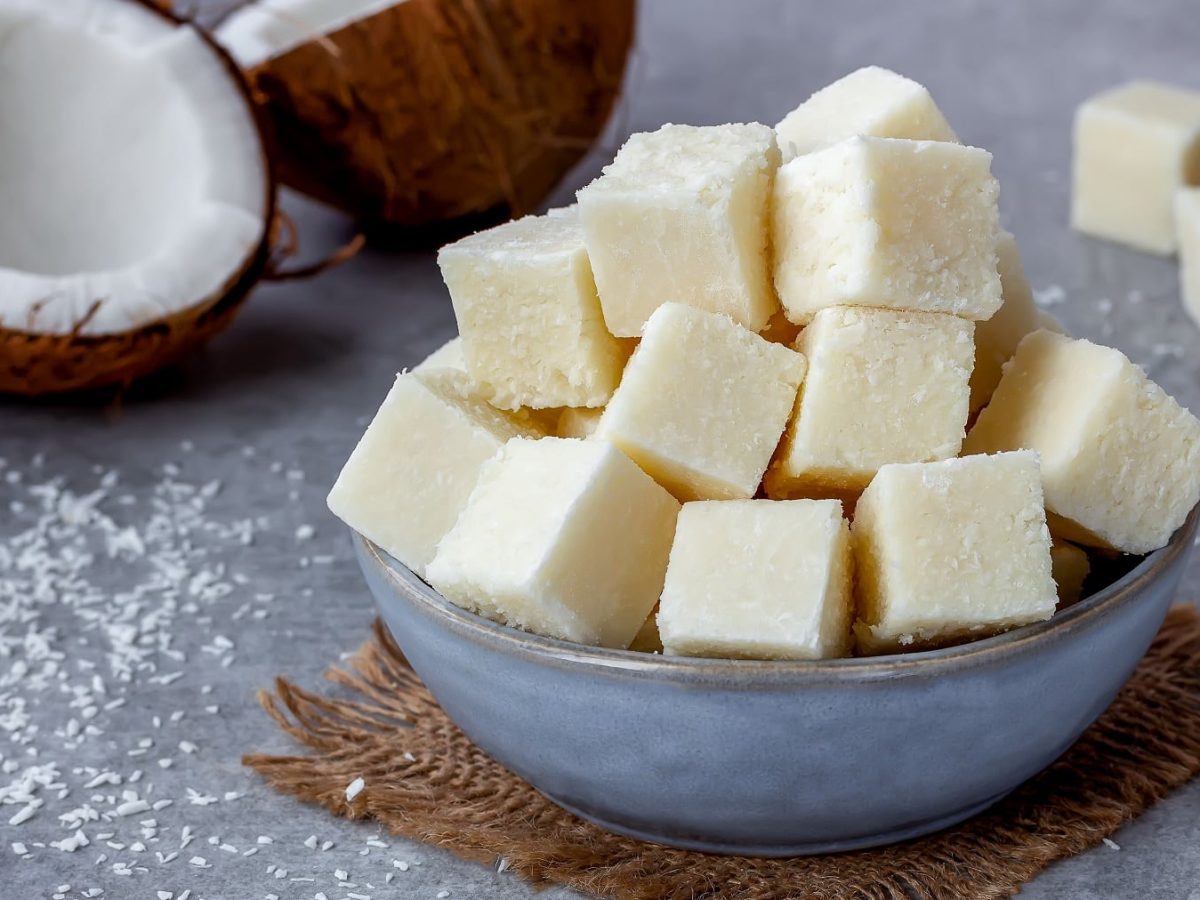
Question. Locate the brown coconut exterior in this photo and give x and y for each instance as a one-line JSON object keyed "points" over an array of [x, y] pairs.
{"points": [[36, 364], [435, 109]]}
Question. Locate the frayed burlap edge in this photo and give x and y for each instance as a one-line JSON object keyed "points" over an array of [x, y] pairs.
{"points": [[427, 782]]}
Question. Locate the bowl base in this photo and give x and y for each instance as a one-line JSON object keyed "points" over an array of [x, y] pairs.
{"points": [[815, 848]]}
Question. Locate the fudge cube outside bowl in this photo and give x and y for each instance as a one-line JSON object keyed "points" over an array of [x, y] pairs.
{"points": [[778, 758]]}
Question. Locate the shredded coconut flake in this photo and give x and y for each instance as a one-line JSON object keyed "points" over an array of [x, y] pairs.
{"points": [[115, 604]]}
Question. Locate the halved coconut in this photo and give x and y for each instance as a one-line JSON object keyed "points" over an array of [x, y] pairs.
{"points": [[413, 111], [135, 194]]}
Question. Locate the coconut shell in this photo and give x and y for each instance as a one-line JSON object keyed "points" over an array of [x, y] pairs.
{"points": [[35, 364], [435, 109]]}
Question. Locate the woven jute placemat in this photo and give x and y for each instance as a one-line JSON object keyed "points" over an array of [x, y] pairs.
{"points": [[427, 782]]}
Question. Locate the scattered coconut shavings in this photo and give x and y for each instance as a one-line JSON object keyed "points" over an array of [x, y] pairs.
{"points": [[116, 603], [24, 814], [198, 799], [72, 843], [132, 808], [1050, 295], [1164, 350]]}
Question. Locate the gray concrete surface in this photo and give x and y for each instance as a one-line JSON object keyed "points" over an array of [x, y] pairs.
{"points": [[274, 406]]}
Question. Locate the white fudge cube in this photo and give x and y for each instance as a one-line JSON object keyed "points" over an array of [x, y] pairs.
{"points": [[448, 356], [1187, 226], [567, 539], [951, 550], [758, 579], [411, 473], [872, 101], [889, 223], [681, 216], [1134, 146], [1120, 458], [882, 386], [578, 422], [996, 339], [1070, 567], [532, 330], [703, 403]]}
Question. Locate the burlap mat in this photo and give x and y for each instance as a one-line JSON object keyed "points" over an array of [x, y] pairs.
{"points": [[427, 782]]}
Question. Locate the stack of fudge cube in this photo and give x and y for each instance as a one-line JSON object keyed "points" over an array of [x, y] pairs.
{"points": [[720, 406]]}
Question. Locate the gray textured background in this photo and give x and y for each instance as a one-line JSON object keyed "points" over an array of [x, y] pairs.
{"points": [[306, 363]]}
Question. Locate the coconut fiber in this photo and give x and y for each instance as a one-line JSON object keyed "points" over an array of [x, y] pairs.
{"points": [[427, 782]]}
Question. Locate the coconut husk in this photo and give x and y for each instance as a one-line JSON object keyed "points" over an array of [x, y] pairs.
{"points": [[34, 364], [37, 364], [435, 109]]}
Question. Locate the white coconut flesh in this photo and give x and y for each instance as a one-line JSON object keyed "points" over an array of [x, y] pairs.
{"points": [[132, 176], [266, 29]]}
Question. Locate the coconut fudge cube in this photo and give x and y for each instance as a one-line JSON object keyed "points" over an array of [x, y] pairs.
{"points": [[448, 356], [951, 550], [1134, 147], [703, 403], [1187, 225], [882, 386], [578, 422], [681, 216], [532, 330], [996, 339], [871, 100], [1120, 458], [890, 223], [412, 471], [758, 579], [1069, 566], [567, 539]]}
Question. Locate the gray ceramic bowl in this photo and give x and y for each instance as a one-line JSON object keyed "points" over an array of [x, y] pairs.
{"points": [[778, 758]]}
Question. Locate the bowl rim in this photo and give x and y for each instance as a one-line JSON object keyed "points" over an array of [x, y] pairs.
{"points": [[503, 637]]}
